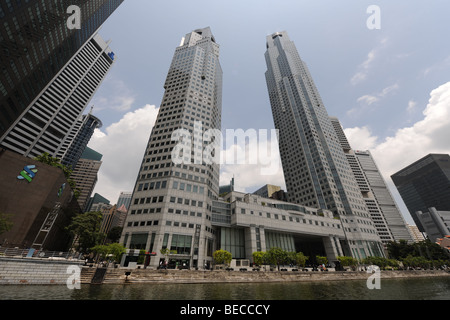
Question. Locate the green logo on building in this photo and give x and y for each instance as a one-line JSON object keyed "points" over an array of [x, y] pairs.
{"points": [[28, 173]]}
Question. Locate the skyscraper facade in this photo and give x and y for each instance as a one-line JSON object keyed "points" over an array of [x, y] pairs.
{"points": [[316, 170], [171, 203], [47, 124], [36, 43], [124, 199], [382, 207], [85, 175], [78, 139], [425, 184]]}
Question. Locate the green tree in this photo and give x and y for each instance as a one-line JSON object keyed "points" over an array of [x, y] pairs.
{"points": [[116, 251], [399, 250], [5, 222], [67, 170], [259, 257], [114, 234], [277, 256], [85, 228], [300, 259], [321, 260], [347, 261], [419, 254], [222, 256]]}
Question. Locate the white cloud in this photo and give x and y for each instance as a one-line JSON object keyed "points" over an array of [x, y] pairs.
{"points": [[257, 163], [388, 90], [363, 68], [409, 144], [119, 97], [366, 65], [122, 145], [361, 138], [411, 106], [438, 66], [429, 135], [367, 100]]}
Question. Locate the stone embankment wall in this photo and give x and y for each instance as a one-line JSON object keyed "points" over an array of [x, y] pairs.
{"points": [[118, 276], [35, 271]]}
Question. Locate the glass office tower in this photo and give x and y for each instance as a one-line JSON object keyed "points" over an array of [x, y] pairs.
{"points": [[316, 170], [425, 184], [79, 138], [171, 203], [36, 43]]}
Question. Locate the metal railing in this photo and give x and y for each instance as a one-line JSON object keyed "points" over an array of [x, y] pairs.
{"points": [[42, 254]]}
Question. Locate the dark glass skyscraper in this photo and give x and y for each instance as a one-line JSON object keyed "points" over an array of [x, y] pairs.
{"points": [[36, 43], [425, 184], [315, 167], [82, 134]]}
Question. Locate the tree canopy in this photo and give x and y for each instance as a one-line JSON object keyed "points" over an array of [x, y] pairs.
{"points": [[431, 251], [67, 170], [222, 256], [85, 228], [116, 251]]}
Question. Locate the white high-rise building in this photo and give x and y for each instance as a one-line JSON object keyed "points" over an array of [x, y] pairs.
{"points": [[46, 125], [385, 214], [171, 203], [315, 167]]}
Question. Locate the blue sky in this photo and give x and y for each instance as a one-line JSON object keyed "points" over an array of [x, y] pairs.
{"points": [[378, 83]]}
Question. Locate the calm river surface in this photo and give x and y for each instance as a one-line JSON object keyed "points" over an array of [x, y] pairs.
{"points": [[391, 289]]}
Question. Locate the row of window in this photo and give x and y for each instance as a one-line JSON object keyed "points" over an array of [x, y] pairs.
{"points": [[148, 200], [188, 202], [188, 187], [291, 219]]}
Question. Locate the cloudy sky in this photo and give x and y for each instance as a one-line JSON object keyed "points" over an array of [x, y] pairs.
{"points": [[390, 87]]}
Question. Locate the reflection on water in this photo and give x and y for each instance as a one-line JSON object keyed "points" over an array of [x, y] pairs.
{"points": [[391, 289]]}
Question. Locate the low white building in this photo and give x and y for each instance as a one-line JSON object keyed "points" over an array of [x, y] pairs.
{"points": [[245, 223]]}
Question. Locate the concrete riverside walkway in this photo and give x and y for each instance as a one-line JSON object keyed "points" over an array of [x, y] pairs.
{"points": [[125, 275]]}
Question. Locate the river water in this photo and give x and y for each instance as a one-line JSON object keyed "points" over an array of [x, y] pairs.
{"points": [[435, 288]]}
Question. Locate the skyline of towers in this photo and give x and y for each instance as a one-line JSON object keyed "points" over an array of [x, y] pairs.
{"points": [[171, 203], [181, 195], [315, 167]]}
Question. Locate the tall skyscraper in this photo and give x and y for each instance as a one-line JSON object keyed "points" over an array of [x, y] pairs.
{"points": [[385, 214], [85, 175], [124, 199], [171, 203], [78, 139], [316, 170], [37, 43], [47, 124], [425, 184]]}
